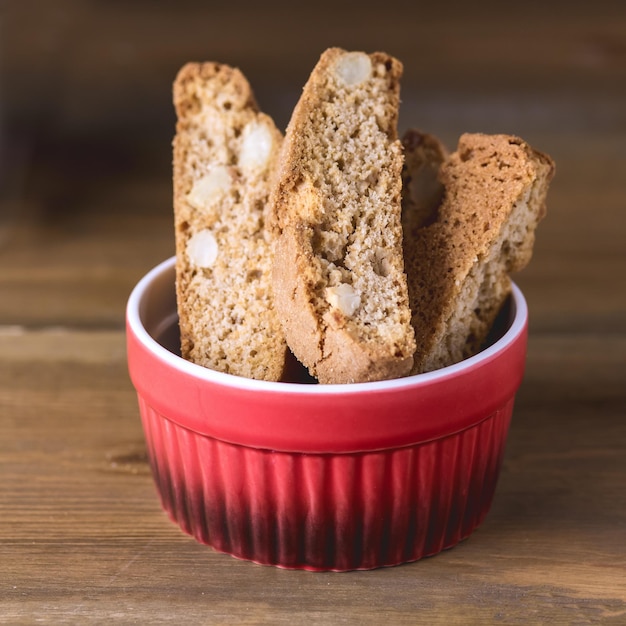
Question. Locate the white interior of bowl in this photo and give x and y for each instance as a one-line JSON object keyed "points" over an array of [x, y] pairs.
{"points": [[151, 311]]}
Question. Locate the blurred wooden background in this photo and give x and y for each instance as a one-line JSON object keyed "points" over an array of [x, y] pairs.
{"points": [[86, 124], [87, 119]]}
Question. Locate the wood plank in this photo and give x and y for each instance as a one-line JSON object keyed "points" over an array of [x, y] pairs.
{"points": [[83, 538], [77, 266]]}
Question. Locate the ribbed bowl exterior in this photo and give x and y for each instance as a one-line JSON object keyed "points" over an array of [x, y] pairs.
{"points": [[327, 511], [322, 477]]}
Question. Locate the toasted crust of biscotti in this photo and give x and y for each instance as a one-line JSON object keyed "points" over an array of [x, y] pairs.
{"points": [[459, 257], [225, 152], [339, 280]]}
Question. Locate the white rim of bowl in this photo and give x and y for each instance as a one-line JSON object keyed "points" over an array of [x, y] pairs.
{"points": [[249, 384]]}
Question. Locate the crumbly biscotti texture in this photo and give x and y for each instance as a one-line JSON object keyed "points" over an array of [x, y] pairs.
{"points": [[339, 280], [422, 191], [225, 152], [459, 258]]}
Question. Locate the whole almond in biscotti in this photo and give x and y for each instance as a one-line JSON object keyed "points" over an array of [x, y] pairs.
{"points": [[459, 253], [225, 152], [339, 281]]}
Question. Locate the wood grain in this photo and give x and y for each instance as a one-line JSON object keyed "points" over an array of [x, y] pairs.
{"points": [[85, 210], [83, 536]]}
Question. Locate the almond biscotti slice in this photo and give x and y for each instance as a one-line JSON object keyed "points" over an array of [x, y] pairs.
{"points": [[458, 261], [339, 281], [225, 152]]}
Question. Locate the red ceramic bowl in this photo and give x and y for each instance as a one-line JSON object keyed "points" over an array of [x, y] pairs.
{"points": [[321, 477]]}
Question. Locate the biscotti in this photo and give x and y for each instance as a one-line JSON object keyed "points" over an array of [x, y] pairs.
{"points": [[339, 281], [422, 191], [459, 253], [225, 152]]}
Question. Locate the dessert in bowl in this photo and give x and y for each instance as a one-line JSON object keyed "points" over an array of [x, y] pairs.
{"points": [[335, 254]]}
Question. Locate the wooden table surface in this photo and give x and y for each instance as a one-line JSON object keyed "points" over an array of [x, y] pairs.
{"points": [[85, 211]]}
